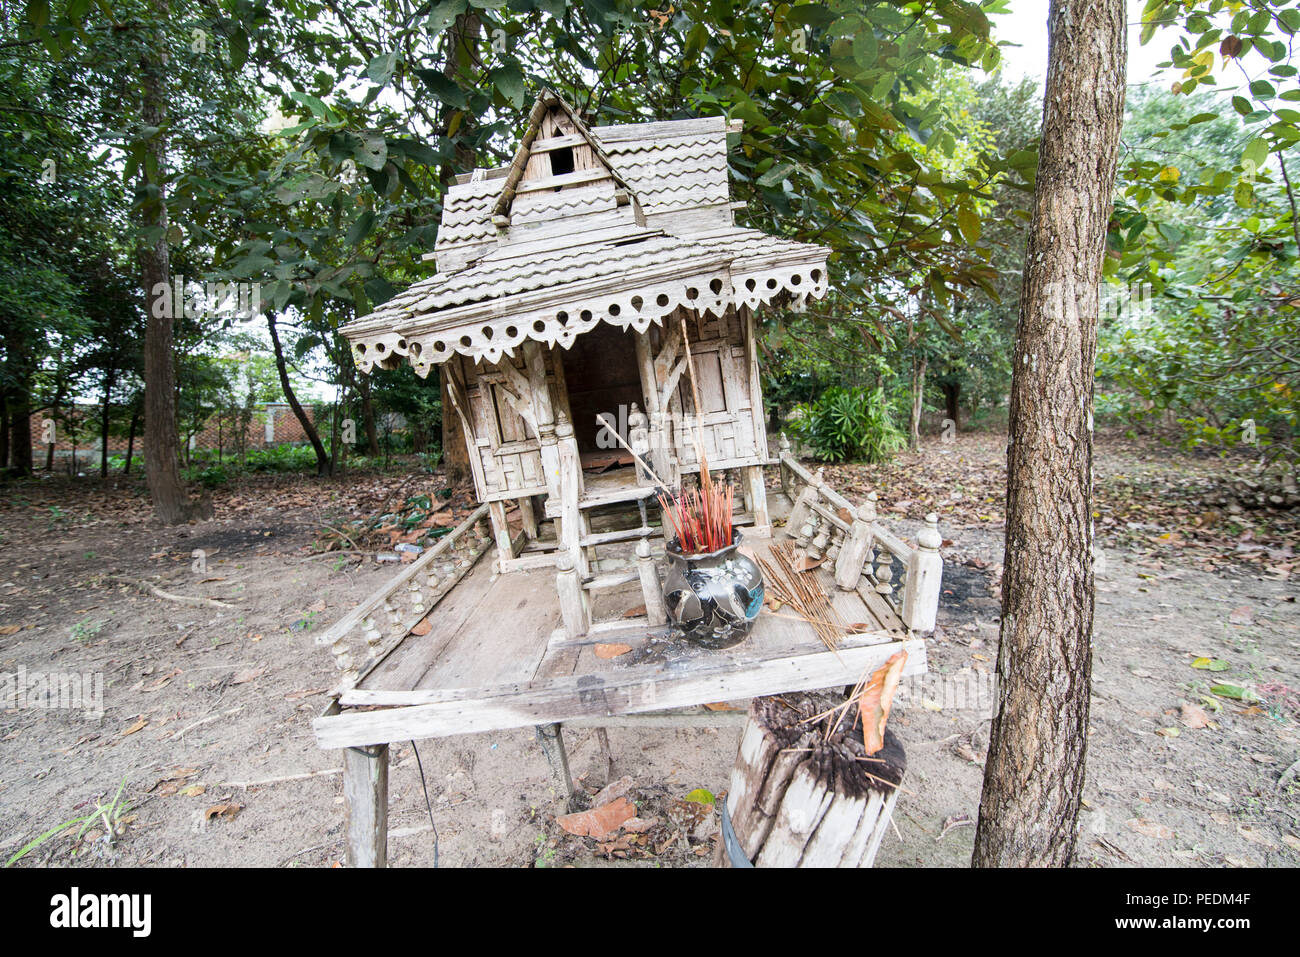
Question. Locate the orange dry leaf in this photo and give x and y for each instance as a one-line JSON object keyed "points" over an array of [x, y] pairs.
{"points": [[222, 810], [422, 627], [721, 706], [876, 700], [611, 651], [599, 821], [135, 727]]}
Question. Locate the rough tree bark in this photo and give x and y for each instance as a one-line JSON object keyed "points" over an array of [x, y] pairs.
{"points": [[1034, 773], [161, 443], [460, 58]]}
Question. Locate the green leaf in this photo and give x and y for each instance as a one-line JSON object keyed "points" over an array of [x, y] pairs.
{"points": [[371, 151], [1235, 692], [380, 69], [701, 796], [775, 175], [810, 15], [361, 227], [444, 15], [318, 109], [238, 49], [1211, 664], [509, 79], [1254, 155], [1242, 105], [38, 13], [968, 221]]}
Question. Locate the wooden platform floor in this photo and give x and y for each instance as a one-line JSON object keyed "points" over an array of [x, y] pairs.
{"points": [[497, 657]]}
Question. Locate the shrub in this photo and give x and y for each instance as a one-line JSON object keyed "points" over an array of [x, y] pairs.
{"points": [[850, 425]]}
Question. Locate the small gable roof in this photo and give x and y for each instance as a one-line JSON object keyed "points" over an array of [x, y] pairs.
{"points": [[620, 224]]}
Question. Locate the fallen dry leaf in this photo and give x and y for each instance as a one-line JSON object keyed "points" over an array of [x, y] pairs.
{"points": [[10, 629], [422, 627], [600, 821], [222, 810], [135, 727], [1150, 828], [876, 700], [194, 790], [308, 693], [611, 651], [721, 706], [1241, 615], [246, 676], [635, 612], [1195, 717]]}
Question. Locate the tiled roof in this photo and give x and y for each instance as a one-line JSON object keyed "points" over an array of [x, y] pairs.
{"points": [[572, 257]]}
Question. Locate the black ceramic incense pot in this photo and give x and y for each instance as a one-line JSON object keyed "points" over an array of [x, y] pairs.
{"points": [[712, 598]]}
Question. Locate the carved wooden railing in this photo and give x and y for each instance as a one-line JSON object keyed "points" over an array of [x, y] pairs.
{"points": [[367, 633], [829, 528]]}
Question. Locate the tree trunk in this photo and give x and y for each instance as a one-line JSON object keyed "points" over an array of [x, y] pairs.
{"points": [[799, 800], [460, 56], [19, 404], [455, 448], [4, 429], [1035, 768], [130, 439], [323, 464], [368, 417], [161, 442], [103, 423], [918, 400], [952, 402]]}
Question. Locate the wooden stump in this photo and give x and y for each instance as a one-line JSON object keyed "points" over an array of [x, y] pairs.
{"points": [[798, 799]]}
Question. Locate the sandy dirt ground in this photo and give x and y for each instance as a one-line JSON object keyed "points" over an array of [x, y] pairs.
{"points": [[206, 710]]}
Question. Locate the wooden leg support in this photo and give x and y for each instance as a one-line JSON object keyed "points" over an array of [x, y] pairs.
{"points": [[552, 740], [365, 794], [606, 752]]}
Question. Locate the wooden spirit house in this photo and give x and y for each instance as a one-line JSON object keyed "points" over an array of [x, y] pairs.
{"points": [[563, 282], [569, 285]]}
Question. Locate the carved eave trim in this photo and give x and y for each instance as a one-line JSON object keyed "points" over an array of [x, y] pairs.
{"points": [[490, 330]]}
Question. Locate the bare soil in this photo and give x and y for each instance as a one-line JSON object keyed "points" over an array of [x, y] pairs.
{"points": [[203, 702]]}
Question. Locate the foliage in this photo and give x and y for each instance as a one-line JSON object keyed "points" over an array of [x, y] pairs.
{"points": [[853, 425]]}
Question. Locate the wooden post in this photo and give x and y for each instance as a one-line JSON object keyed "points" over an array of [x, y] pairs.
{"points": [[797, 800], [853, 553], [756, 499], [500, 528], [365, 796], [551, 738], [528, 516], [570, 480], [651, 589], [573, 603], [802, 509], [924, 578]]}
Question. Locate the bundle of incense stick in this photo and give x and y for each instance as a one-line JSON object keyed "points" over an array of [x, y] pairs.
{"points": [[800, 591], [701, 519]]}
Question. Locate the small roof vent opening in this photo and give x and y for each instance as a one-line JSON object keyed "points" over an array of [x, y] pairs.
{"points": [[562, 161]]}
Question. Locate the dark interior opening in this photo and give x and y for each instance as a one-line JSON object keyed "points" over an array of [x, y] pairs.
{"points": [[562, 161], [601, 374]]}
